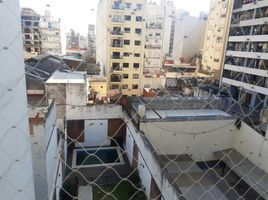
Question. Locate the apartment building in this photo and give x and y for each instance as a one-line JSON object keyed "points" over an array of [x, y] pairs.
{"points": [[50, 30], [188, 36], [246, 59], [30, 22], [154, 35], [216, 35], [91, 39], [169, 26], [120, 44]]}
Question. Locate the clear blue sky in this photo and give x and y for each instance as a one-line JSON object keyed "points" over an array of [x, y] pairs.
{"points": [[77, 14]]}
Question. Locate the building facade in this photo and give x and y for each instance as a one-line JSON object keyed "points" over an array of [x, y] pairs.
{"points": [[30, 22], [153, 56], [188, 36], [246, 58], [216, 35], [169, 26], [120, 44], [91, 40], [50, 30]]}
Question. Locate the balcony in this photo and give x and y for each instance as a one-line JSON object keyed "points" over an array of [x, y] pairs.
{"points": [[117, 32], [117, 20], [116, 68], [116, 57], [152, 47]]}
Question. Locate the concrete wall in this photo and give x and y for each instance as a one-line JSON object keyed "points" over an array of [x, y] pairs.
{"points": [[96, 133], [153, 82], [252, 145], [196, 138], [16, 169]]}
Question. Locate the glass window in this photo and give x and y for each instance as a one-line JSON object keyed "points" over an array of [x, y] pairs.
{"points": [[125, 76], [125, 87], [139, 6], [127, 30], [127, 5], [126, 65], [136, 65], [138, 30], [126, 54], [137, 42], [138, 18], [135, 86], [135, 76], [127, 18], [137, 55], [126, 42]]}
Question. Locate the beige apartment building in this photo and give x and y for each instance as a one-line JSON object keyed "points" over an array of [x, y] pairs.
{"points": [[120, 44], [216, 35]]}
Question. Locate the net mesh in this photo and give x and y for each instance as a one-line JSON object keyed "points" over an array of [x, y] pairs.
{"points": [[209, 143]]}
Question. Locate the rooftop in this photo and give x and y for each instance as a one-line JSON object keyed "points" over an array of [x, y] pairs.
{"points": [[67, 77]]}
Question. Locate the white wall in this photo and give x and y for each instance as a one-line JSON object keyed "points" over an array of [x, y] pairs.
{"points": [[252, 145], [197, 138], [16, 169], [145, 175], [96, 133], [129, 147]]}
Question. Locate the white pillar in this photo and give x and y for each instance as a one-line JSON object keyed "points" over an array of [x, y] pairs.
{"points": [[16, 171]]}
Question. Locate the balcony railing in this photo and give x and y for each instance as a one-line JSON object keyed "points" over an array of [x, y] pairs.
{"points": [[118, 7], [117, 45], [116, 57], [117, 20], [117, 33]]}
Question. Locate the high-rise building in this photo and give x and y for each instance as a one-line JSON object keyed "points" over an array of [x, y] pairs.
{"points": [[50, 30], [246, 58], [120, 43], [216, 35], [30, 21], [91, 40], [188, 36], [154, 34], [169, 26]]}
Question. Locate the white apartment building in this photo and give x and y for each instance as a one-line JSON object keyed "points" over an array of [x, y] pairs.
{"points": [[120, 43], [91, 40], [216, 35], [50, 30], [169, 25], [188, 36], [246, 58], [153, 57]]}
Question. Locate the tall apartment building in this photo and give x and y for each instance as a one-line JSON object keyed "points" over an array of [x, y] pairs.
{"points": [[120, 43], [216, 36], [246, 59], [91, 39], [50, 30], [30, 21], [169, 26], [154, 34], [188, 36]]}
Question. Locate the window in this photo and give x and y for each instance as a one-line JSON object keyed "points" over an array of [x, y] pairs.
{"points": [[127, 5], [138, 30], [126, 65], [126, 54], [125, 87], [138, 18], [126, 42], [135, 86], [127, 30], [135, 76], [158, 34], [137, 55], [139, 6], [136, 65], [127, 18], [125, 76], [137, 42]]}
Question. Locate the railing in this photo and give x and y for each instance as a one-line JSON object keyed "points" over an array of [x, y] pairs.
{"points": [[116, 57], [117, 33], [117, 45]]}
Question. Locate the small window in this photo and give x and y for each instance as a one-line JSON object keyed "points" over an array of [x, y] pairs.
{"points": [[127, 30], [138, 30], [126, 54], [135, 76], [125, 76], [137, 55], [125, 87], [135, 86], [136, 65], [138, 18], [139, 6], [127, 18], [101, 86], [158, 34], [126, 42], [137, 42], [126, 65], [128, 5]]}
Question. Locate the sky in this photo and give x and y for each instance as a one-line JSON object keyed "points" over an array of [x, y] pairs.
{"points": [[77, 14]]}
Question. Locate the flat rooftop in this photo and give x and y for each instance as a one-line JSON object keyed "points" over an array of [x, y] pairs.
{"points": [[150, 114], [67, 77]]}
